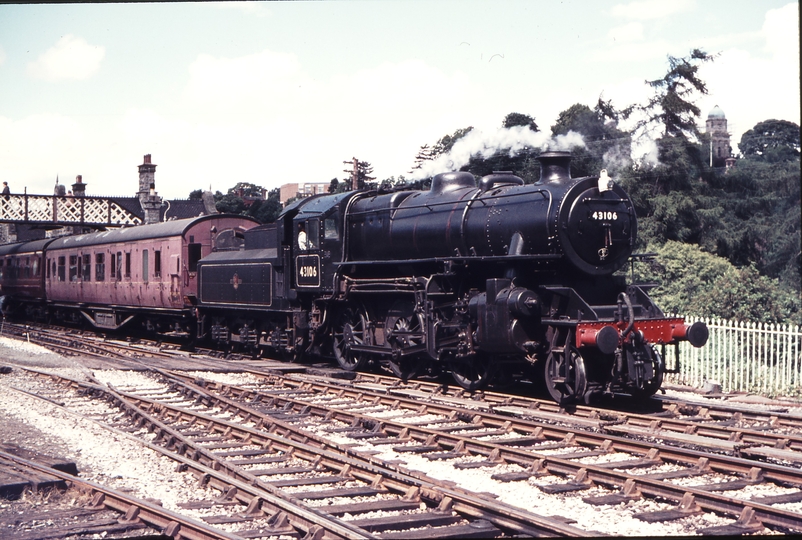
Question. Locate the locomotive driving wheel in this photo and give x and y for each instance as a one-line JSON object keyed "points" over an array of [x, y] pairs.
{"points": [[564, 372], [349, 330], [406, 331], [473, 372]]}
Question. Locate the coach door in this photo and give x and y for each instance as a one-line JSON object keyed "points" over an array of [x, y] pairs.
{"points": [[307, 254]]}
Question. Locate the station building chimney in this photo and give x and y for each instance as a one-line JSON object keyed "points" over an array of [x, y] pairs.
{"points": [[148, 198]]}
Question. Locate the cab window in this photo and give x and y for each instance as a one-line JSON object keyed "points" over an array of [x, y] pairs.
{"points": [[330, 229], [313, 233]]}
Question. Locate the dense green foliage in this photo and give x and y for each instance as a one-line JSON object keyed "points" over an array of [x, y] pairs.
{"points": [[265, 210], [691, 281], [771, 140]]}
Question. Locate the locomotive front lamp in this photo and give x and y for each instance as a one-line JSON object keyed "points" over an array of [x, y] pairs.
{"points": [[605, 182]]}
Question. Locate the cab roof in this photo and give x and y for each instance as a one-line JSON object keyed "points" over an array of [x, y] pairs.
{"points": [[316, 204]]}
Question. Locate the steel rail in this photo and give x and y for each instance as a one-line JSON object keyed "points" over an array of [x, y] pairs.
{"points": [[209, 466], [365, 468], [162, 519], [552, 464], [406, 483], [675, 407]]}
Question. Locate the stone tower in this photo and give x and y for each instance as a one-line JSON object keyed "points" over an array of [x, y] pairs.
{"points": [[720, 149], [148, 198]]}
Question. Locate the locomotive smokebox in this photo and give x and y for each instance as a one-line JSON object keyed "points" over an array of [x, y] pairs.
{"points": [[555, 167]]}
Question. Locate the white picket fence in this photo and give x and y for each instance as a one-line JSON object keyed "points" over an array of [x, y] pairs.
{"points": [[760, 358]]}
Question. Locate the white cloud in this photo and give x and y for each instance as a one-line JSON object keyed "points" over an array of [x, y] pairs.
{"points": [[627, 33], [256, 77], [642, 52], [70, 58], [273, 116], [751, 89], [781, 32], [27, 148], [644, 10]]}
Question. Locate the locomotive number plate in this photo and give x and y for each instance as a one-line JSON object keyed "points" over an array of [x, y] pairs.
{"points": [[604, 216], [307, 270]]}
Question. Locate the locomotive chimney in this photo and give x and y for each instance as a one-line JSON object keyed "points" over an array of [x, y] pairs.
{"points": [[555, 167]]}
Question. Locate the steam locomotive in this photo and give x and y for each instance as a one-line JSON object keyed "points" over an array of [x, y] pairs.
{"points": [[503, 280]]}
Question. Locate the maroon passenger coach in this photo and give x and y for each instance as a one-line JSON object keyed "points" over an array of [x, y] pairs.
{"points": [[145, 274]]}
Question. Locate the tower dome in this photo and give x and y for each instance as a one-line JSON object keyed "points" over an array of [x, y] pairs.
{"points": [[716, 127]]}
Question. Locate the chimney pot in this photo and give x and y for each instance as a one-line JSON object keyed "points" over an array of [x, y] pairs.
{"points": [[555, 166], [78, 179], [147, 158]]}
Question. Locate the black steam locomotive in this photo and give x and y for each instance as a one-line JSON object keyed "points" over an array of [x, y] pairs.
{"points": [[499, 280]]}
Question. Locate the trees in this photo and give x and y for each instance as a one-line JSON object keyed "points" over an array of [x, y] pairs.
{"points": [[582, 119], [446, 143], [267, 210], [364, 171], [672, 104], [691, 281], [425, 153], [230, 203], [605, 145], [519, 119], [771, 140]]}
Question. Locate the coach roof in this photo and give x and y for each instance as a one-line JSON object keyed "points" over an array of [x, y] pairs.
{"points": [[23, 248], [166, 229]]}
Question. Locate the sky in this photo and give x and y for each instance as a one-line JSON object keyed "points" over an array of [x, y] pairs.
{"points": [[277, 92]]}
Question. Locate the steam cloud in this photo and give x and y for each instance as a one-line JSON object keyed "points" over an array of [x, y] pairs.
{"points": [[485, 145]]}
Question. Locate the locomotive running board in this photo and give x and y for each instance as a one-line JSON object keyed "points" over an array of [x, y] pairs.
{"points": [[106, 320]]}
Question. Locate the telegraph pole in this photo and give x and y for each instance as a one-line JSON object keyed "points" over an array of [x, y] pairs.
{"points": [[354, 171]]}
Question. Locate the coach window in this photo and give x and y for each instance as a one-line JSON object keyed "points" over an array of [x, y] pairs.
{"points": [[113, 267], [62, 275], [35, 267], [157, 263], [87, 267], [128, 265], [119, 266], [194, 252], [2, 270], [73, 267], [100, 266], [145, 265]]}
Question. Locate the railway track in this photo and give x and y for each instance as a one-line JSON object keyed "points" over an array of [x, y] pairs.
{"points": [[74, 342], [581, 453], [127, 512], [774, 432], [298, 467], [685, 457]]}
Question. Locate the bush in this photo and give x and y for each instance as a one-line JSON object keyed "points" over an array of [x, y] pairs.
{"points": [[691, 281]]}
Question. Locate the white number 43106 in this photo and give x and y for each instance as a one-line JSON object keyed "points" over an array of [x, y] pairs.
{"points": [[604, 216]]}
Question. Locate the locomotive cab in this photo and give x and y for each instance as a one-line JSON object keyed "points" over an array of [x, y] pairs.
{"points": [[316, 240]]}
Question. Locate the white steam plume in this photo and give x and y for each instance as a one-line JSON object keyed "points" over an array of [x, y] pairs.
{"points": [[485, 145]]}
